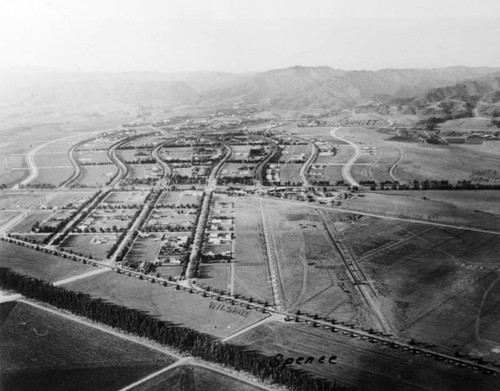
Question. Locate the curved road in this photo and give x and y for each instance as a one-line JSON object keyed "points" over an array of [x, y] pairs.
{"points": [[402, 155], [30, 159], [346, 169], [305, 166], [167, 172]]}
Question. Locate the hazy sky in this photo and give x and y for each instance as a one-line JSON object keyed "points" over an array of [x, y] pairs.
{"points": [[246, 36]]}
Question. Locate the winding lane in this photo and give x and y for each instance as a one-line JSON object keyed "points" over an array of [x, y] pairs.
{"points": [[346, 169]]}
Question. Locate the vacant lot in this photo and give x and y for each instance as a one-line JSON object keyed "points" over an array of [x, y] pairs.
{"points": [[143, 171], [290, 174], [18, 201], [144, 250], [177, 306], [192, 377], [126, 197], [313, 276], [43, 351], [37, 264], [86, 156], [52, 159], [97, 175], [94, 245], [417, 206], [66, 200], [359, 363], [53, 176], [424, 274], [27, 223]]}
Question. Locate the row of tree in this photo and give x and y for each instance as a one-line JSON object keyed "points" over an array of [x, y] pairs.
{"points": [[183, 339]]}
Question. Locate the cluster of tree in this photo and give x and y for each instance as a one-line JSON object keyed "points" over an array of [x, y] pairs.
{"points": [[187, 180], [168, 228], [93, 163], [118, 206], [495, 122], [246, 180], [140, 181], [181, 206], [39, 186], [435, 185], [141, 161]]}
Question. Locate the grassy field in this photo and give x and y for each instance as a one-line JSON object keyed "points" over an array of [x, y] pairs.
{"points": [[126, 197], [290, 173], [424, 274], [170, 197], [70, 199], [360, 364], [43, 351], [144, 250], [87, 156], [52, 159], [37, 264], [142, 171], [96, 245], [414, 205], [191, 378], [97, 175], [313, 275], [27, 223], [53, 176], [180, 307], [18, 201]]}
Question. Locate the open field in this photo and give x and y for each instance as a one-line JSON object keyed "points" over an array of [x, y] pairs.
{"points": [[32, 237], [52, 176], [126, 197], [144, 250], [359, 364], [67, 200], [96, 175], [313, 275], [86, 156], [143, 171], [27, 223], [452, 163], [95, 245], [468, 124], [52, 159], [178, 153], [19, 201], [415, 205], [37, 264], [290, 173], [170, 197], [177, 306], [425, 273], [192, 377], [43, 351]]}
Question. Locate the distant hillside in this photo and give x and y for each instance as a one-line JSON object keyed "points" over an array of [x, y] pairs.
{"points": [[292, 88], [324, 87], [473, 97]]}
